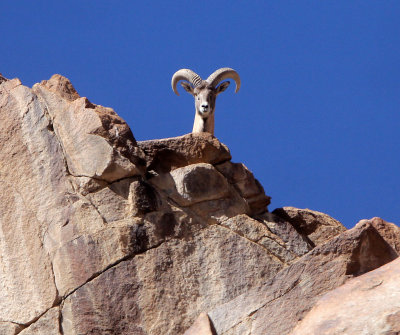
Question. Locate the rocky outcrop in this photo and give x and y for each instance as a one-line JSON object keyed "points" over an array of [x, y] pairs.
{"points": [[316, 227], [369, 304], [246, 185], [389, 231], [277, 306], [169, 154], [101, 234], [96, 142]]}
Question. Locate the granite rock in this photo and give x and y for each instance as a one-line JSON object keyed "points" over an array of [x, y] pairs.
{"points": [[168, 154], [368, 304], [104, 235], [96, 142], [317, 227], [279, 304]]}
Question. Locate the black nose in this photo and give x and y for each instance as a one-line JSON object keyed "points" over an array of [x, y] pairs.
{"points": [[204, 105]]}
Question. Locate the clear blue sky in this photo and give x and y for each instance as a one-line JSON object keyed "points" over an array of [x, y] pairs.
{"points": [[317, 118]]}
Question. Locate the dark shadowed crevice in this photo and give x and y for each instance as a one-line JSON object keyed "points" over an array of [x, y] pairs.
{"points": [[60, 319], [212, 327]]}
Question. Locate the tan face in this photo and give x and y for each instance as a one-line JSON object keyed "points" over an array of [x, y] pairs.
{"points": [[204, 99], [205, 96]]}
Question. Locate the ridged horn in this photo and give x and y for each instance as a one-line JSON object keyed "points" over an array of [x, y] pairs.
{"points": [[224, 73], [185, 74]]}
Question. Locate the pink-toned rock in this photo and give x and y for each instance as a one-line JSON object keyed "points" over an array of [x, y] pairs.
{"points": [[285, 246], [96, 240], [192, 184], [317, 227], [201, 326], [389, 231], [202, 188], [48, 324], [192, 274], [368, 304], [31, 187], [62, 86], [9, 328], [168, 154], [278, 305], [248, 187], [112, 255], [96, 142]]}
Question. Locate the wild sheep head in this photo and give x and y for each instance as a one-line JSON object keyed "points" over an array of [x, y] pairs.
{"points": [[205, 93]]}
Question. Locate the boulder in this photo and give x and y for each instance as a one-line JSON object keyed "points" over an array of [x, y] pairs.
{"points": [[280, 303], [61, 86], [286, 247], [168, 154], [368, 304], [193, 184], [389, 231], [204, 190], [248, 187], [317, 227], [96, 142]]}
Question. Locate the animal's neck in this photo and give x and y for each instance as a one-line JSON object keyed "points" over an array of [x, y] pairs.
{"points": [[202, 125]]}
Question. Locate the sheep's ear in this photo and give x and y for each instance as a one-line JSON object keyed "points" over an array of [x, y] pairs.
{"points": [[222, 87], [188, 88]]}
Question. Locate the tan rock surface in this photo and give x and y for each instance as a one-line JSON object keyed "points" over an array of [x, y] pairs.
{"points": [[47, 324], [61, 86], [369, 304], [69, 228], [9, 328], [31, 187], [248, 187], [293, 240], [284, 248], [171, 153], [315, 226], [102, 235], [277, 306], [96, 142], [191, 274], [204, 190], [201, 326], [192, 184], [389, 231]]}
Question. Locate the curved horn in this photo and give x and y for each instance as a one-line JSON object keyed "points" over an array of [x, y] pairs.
{"points": [[215, 78], [185, 74]]}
